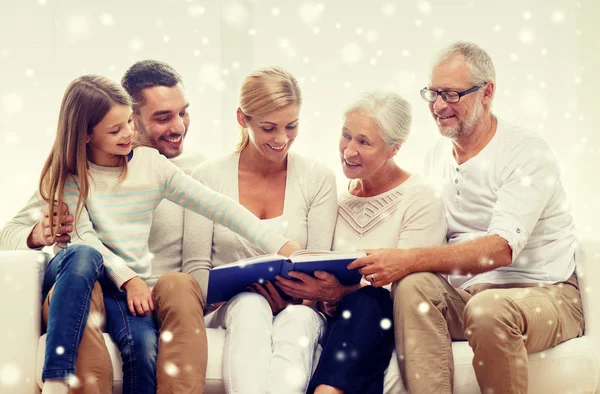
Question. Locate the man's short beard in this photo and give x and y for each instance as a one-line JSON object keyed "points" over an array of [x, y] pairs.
{"points": [[465, 129], [141, 136]]}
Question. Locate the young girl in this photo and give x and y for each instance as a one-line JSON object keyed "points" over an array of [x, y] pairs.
{"points": [[112, 190]]}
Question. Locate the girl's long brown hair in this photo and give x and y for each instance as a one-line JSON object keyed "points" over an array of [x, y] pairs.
{"points": [[85, 103]]}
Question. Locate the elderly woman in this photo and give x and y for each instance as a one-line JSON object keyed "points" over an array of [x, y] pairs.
{"points": [[384, 206]]}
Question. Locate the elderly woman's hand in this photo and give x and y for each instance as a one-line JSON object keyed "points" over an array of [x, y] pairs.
{"points": [[384, 266], [322, 287]]}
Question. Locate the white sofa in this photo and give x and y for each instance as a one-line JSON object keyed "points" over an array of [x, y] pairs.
{"points": [[571, 367]]}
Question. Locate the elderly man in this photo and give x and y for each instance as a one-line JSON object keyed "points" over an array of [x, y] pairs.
{"points": [[512, 289], [161, 119]]}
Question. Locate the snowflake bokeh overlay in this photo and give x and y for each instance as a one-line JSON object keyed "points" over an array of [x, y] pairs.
{"points": [[544, 54]]}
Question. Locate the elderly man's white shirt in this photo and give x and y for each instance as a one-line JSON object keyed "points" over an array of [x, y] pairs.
{"points": [[512, 188]]}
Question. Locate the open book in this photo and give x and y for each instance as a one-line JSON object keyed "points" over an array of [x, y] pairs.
{"points": [[225, 281]]}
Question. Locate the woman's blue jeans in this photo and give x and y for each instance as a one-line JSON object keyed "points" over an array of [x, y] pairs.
{"points": [[73, 272]]}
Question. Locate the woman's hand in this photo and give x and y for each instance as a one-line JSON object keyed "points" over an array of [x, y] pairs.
{"points": [[276, 302], [322, 287], [139, 296], [384, 266]]}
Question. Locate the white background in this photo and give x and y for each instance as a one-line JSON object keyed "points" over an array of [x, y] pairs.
{"points": [[546, 54]]}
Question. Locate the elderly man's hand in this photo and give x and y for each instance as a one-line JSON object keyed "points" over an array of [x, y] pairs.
{"points": [[384, 266], [322, 287]]}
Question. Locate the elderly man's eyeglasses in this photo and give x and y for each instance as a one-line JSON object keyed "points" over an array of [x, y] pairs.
{"points": [[448, 96]]}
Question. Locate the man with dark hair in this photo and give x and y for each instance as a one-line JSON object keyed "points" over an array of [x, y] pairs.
{"points": [[161, 120], [146, 74], [159, 106], [158, 101]]}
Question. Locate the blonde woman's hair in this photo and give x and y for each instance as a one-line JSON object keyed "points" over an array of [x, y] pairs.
{"points": [[266, 90], [85, 103]]}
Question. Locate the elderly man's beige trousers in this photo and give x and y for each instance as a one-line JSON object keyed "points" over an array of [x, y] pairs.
{"points": [[501, 322]]}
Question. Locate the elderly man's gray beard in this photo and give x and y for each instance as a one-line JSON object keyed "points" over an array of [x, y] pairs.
{"points": [[465, 129]]}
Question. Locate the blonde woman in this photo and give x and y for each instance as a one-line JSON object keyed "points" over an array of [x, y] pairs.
{"points": [[269, 344]]}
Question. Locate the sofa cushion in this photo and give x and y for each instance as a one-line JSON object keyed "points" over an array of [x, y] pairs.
{"points": [[571, 367], [214, 384]]}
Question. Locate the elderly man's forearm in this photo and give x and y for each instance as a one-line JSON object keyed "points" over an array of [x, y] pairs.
{"points": [[471, 257]]}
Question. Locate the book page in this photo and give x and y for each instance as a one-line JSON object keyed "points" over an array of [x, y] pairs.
{"points": [[322, 255], [252, 260]]}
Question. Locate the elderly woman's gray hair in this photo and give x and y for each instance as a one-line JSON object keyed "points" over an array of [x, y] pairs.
{"points": [[390, 112]]}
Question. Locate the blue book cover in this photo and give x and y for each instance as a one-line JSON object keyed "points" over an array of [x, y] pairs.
{"points": [[226, 281], [335, 263]]}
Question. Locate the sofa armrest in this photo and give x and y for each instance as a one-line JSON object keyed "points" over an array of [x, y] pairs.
{"points": [[587, 259], [21, 275]]}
